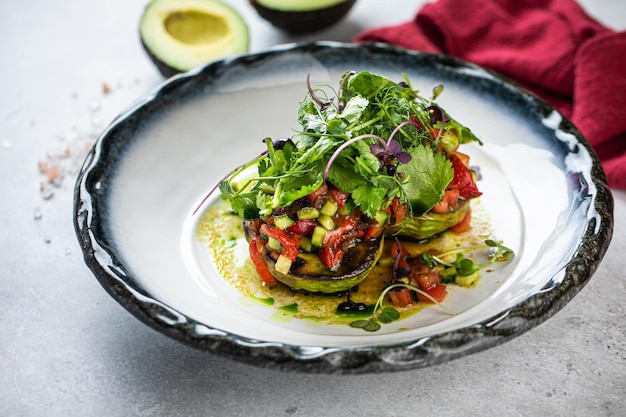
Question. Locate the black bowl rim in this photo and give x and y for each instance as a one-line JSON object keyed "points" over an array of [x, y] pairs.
{"points": [[423, 352]]}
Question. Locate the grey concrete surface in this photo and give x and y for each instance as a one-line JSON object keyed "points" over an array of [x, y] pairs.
{"points": [[68, 349]]}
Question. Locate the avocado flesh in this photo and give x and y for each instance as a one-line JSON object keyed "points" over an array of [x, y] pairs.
{"points": [[429, 224], [310, 274], [300, 17], [179, 35]]}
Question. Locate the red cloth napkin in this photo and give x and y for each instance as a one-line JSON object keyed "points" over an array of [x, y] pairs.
{"points": [[551, 47]]}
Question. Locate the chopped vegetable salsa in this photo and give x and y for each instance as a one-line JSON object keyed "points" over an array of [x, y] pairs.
{"points": [[362, 217]]}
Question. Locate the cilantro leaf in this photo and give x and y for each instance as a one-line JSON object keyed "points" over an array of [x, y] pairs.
{"points": [[369, 198], [342, 175], [427, 174]]}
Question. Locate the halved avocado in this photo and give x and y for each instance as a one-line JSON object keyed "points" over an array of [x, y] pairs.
{"points": [[310, 274], [429, 224], [302, 16], [179, 35]]}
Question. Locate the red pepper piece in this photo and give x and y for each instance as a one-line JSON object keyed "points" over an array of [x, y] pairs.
{"points": [[331, 256], [303, 227], [256, 256], [288, 242], [463, 179]]}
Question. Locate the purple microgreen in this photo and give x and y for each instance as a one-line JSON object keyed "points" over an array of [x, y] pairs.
{"points": [[437, 115], [342, 105], [397, 271], [345, 79], [392, 152], [342, 101], [280, 143], [377, 149], [322, 105], [403, 158], [348, 143]]}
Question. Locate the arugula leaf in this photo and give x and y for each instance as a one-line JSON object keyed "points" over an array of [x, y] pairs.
{"points": [[427, 174]]}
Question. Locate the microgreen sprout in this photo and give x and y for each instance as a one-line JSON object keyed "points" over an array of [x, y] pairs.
{"points": [[350, 142], [342, 101], [437, 116], [399, 271], [501, 253], [463, 267], [390, 314], [323, 105]]}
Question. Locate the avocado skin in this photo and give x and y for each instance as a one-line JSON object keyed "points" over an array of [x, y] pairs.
{"points": [[428, 225], [164, 69], [301, 22]]}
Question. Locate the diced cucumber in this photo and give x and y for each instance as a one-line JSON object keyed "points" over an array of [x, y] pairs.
{"points": [[326, 221], [448, 275], [282, 222], [283, 264], [317, 238], [381, 217], [467, 280], [344, 211], [329, 208], [308, 213], [305, 244], [273, 243]]}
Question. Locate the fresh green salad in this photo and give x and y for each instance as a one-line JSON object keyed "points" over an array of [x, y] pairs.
{"points": [[373, 159]]}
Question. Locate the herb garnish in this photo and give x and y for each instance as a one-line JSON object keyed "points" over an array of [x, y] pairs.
{"points": [[376, 143], [460, 267], [388, 150]]}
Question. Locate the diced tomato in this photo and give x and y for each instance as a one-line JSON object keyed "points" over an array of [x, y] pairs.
{"points": [[438, 293], [396, 249], [303, 227], [398, 211], [254, 225], [448, 203], [400, 297], [315, 195], [463, 157], [288, 242], [345, 224], [463, 179], [464, 225], [339, 196], [331, 256], [426, 280], [373, 232], [257, 259]]}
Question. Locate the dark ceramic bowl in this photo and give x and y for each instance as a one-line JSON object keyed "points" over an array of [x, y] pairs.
{"points": [[137, 199]]}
